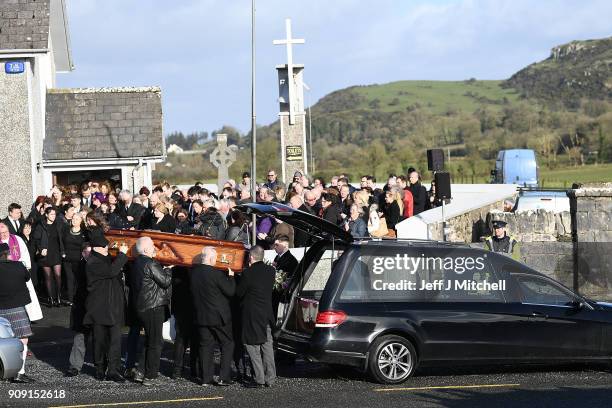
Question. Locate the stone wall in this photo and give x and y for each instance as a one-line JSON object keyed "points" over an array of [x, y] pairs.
{"points": [[534, 226], [16, 183], [593, 239]]}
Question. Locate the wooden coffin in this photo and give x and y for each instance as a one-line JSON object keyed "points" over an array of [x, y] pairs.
{"points": [[183, 250]]}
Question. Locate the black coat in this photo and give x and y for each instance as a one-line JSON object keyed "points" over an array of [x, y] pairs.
{"points": [[287, 263], [134, 210], [154, 288], [105, 302], [332, 214], [392, 214], [77, 312], [11, 227], [255, 293], [419, 194], [211, 225], [13, 291], [211, 291], [167, 224]]}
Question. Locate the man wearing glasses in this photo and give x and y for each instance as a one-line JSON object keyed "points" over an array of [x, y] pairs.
{"points": [[503, 243], [273, 181]]}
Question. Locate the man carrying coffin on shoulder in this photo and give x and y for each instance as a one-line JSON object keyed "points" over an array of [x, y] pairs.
{"points": [[105, 305]]}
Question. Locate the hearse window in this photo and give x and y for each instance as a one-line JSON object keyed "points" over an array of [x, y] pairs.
{"points": [[465, 277], [371, 280], [540, 291], [322, 270]]}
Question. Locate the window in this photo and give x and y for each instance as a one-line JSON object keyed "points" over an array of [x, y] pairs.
{"points": [[321, 271], [422, 276], [540, 291]]}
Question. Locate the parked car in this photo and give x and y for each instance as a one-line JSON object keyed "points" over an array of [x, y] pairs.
{"points": [[11, 351], [516, 166], [555, 201], [351, 304]]}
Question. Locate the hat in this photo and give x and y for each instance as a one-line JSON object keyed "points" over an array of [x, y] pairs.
{"points": [[97, 239], [297, 174], [499, 224]]}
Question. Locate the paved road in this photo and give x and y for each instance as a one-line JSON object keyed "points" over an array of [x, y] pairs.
{"points": [[309, 385]]}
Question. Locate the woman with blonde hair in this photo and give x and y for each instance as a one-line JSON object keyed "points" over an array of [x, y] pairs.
{"points": [[393, 208], [162, 220]]}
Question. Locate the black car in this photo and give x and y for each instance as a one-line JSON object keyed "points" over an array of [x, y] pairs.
{"points": [[388, 306]]}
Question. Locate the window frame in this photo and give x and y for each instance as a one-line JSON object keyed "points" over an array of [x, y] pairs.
{"points": [[517, 275]]}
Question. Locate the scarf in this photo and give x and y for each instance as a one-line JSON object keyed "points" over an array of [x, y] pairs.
{"points": [[15, 252]]}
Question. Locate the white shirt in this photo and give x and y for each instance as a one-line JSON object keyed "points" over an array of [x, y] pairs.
{"points": [[23, 249]]}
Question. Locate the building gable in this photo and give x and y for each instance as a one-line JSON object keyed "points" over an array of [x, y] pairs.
{"points": [[24, 25], [106, 123]]}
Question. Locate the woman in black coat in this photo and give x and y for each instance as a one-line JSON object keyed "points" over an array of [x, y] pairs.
{"points": [[182, 223], [74, 238], [238, 228], [329, 208], [162, 220], [50, 247], [27, 235], [392, 210]]}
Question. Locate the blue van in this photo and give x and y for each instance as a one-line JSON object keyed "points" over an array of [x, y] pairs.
{"points": [[516, 166]]}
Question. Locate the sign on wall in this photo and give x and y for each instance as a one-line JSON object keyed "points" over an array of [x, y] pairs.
{"points": [[14, 67], [294, 153]]}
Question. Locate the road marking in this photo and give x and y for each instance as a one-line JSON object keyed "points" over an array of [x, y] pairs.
{"points": [[446, 387], [118, 404]]}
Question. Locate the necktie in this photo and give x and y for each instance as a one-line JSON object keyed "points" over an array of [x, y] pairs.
{"points": [[16, 226]]}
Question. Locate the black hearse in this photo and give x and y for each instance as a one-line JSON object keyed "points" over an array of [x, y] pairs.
{"points": [[388, 306]]}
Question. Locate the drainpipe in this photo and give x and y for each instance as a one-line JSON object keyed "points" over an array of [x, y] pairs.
{"points": [[136, 168]]}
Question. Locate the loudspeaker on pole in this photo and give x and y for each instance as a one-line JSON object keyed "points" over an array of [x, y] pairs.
{"points": [[443, 185]]}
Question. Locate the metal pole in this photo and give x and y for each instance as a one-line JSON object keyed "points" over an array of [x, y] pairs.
{"points": [[253, 126], [443, 221], [312, 166]]}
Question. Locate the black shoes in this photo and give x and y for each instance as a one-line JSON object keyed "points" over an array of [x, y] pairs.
{"points": [[71, 372], [116, 377], [100, 376], [50, 302], [23, 379], [138, 377]]}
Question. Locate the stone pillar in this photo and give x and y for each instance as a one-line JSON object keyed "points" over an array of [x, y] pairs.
{"points": [[293, 133], [16, 184], [592, 235]]}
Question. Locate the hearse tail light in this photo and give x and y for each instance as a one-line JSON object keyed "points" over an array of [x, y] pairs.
{"points": [[330, 318]]}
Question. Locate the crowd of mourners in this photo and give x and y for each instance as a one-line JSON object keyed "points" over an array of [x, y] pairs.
{"points": [[61, 250]]}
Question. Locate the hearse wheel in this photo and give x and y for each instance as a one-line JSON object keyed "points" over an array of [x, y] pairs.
{"points": [[392, 359]]}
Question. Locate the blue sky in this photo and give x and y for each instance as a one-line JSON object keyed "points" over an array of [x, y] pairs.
{"points": [[198, 51]]}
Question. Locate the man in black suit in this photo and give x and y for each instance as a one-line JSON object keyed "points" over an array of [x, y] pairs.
{"points": [[211, 291], [255, 294], [419, 193], [301, 238], [86, 195], [14, 221], [286, 262], [130, 211]]}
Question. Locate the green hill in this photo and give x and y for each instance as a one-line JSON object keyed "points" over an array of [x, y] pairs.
{"points": [[573, 71]]}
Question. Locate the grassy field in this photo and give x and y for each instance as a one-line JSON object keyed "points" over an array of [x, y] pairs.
{"points": [[581, 174], [439, 96]]}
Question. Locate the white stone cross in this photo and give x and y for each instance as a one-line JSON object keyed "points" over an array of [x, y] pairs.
{"points": [[289, 42]]}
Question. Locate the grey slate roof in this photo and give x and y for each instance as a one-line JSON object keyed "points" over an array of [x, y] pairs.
{"points": [[103, 123], [24, 24]]}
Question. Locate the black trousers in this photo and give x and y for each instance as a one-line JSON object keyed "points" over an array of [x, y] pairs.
{"points": [[107, 348], [152, 320], [185, 337], [70, 270], [208, 336]]}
